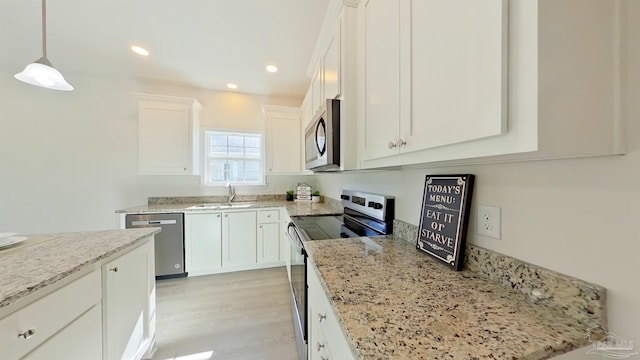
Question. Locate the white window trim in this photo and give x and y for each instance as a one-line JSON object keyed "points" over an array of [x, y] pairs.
{"points": [[204, 156]]}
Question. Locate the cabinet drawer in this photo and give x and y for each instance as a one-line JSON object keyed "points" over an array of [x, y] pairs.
{"points": [[48, 315], [267, 216]]}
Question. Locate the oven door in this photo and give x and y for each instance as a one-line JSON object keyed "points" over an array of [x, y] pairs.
{"points": [[298, 258]]}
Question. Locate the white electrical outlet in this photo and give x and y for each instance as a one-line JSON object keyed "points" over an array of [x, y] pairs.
{"points": [[489, 221]]}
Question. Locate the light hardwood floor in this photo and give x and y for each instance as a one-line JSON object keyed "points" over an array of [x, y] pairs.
{"points": [[241, 315]]}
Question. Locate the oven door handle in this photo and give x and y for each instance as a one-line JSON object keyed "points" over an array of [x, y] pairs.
{"points": [[295, 238]]}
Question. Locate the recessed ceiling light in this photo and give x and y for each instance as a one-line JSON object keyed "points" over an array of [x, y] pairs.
{"points": [[140, 51], [232, 86], [272, 68]]}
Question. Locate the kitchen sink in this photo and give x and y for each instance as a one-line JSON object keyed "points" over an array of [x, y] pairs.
{"points": [[219, 206]]}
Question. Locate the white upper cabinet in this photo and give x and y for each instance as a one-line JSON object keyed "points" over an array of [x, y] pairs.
{"points": [[283, 139], [168, 136], [380, 41], [475, 81], [458, 72], [333, 73], [317, 93], [331, 65], [434, 73]]}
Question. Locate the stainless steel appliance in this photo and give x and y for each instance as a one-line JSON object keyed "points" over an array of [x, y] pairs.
{"points": [[169, 243], [322, 139], [365, 214]]}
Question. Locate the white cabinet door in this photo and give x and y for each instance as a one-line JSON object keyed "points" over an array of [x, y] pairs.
{"points": [[203, 243], [268, 242], [82, 339], [239, 239], [458, 72], [332, 65], [317, 93], [168, 136], [125, 301], [284, 148], [381, 44]]}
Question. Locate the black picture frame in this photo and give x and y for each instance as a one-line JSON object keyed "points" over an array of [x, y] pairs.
{"points": [[444, 220]]}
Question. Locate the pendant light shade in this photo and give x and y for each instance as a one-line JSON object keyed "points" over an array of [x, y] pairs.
{"points": [[41, 72]]}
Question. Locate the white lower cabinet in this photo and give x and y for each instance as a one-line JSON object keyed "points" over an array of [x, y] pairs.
{"points": [[106, 314], [85, 335], [268, 236], [41, 323], [226, 241], [239, 239], [326, 339], [126, 310], [203, 243]]}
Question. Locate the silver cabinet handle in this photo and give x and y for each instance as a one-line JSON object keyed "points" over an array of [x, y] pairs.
{"points": [[319, 346], [401, 143], [114, 269], [391, 145], [321, 317], [27, 333]]}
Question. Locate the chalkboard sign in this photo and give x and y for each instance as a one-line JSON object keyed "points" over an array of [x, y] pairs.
{"points": [[445, 217]]}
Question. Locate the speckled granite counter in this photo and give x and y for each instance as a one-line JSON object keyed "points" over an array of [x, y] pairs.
{"points": [[30, 268], [293, 208], [394, 302]]}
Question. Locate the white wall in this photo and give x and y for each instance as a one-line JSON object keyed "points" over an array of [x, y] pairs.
{"points": [[579, 217], [68, 160]]}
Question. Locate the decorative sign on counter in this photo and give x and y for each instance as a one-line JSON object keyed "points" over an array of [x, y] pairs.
{"points": [[445, 217]]}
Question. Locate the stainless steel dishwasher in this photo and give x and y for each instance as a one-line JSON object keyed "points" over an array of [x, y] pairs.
{"points": [[169, 243]]}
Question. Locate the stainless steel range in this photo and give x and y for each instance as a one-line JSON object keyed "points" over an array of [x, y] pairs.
{"points": [[365, 214]]}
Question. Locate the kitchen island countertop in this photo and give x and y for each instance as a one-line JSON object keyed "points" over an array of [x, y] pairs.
{"points": [[394, 302], [53, 257]]}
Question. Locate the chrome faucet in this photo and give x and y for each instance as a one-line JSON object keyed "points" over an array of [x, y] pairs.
{"points": [[232, 193]]}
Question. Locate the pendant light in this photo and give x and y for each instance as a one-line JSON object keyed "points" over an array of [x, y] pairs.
{"points": [[41, 72]]}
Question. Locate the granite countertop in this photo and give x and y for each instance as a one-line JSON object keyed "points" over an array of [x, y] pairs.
{"points": [[53, 257], [394, 302], [293, 208]]}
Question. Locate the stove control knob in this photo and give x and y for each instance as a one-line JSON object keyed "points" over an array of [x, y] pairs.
{"points": [[375, 205], [344, 197]]}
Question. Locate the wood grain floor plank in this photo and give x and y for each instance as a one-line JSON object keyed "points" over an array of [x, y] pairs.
{"points": [[239, 316]]}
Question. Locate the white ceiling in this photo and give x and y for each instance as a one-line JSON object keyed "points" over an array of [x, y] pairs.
{"points": [[200, 43]]}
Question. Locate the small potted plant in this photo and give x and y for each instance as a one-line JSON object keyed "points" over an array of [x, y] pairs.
{"points": [[315, 197], [290, 195]]}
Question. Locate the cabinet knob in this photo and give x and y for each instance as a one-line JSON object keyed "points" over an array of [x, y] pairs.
{"points": [[27, 333], [401, 143], [114, 269], [226, 215], [260, 226], [322, 357], [218, 215], [321, 317], [185, 169], [391, 145], [319, 346]]}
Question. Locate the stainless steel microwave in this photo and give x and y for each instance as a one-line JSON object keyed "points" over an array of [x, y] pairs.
{"points": [[322, 139]]}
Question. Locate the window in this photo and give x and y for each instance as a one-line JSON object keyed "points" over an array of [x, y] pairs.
{"points": [[234, 157]]}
